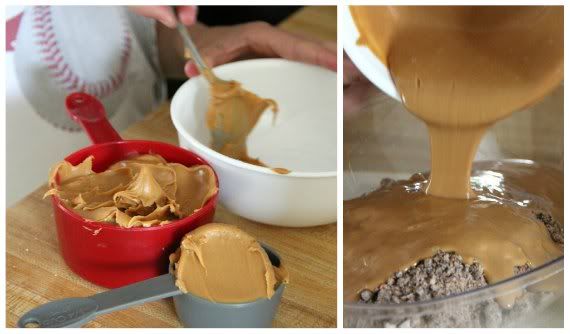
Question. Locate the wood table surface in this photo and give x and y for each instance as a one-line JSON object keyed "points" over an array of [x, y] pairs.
{"points": [[37, 274]]}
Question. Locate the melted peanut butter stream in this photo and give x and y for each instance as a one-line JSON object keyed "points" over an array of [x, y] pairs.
{"points": [[144, 190], [224, 264], [232, 114], [460, 70]]}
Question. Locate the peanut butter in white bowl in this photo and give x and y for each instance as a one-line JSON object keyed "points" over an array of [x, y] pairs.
{"points": [[297, 145]]}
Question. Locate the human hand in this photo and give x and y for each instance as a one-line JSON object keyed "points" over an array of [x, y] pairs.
{"points": [[356, 88], [163, 14], [220, 45]]}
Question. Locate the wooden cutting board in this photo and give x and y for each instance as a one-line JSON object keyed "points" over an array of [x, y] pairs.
{"points": [[37, 274]]}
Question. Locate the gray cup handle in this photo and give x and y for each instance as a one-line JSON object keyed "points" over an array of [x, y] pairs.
{"points": [[74, 312]]}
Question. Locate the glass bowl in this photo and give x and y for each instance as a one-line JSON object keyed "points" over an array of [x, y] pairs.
{"points": [[382, 140], [475, 308]]}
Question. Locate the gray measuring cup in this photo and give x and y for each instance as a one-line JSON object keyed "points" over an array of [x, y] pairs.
{"points": [[192, 310]]}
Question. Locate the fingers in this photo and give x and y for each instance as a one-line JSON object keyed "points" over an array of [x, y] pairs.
{"points": [[356, 88], [187, 14], [191, 70], [217, 55], [229, 46], [312, 53], [163, 14], [270, 41], [259, 39], [350, 71], [354, 96]]}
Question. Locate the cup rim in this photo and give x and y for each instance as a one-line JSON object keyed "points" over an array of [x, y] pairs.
{"points": [[201, 300]]}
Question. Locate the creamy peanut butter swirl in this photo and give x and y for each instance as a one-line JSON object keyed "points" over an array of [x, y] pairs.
{"points": [[144, 190], [391, 229], [222, 263], [232, 114]]}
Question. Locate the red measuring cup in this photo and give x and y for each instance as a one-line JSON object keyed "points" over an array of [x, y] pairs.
{"points": [[110, 255]]}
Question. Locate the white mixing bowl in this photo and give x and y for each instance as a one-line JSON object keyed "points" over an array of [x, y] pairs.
{"points": [[302, 139]]}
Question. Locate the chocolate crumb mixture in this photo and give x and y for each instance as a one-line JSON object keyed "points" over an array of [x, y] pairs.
{"points": [[555, 229], [444, 274]]}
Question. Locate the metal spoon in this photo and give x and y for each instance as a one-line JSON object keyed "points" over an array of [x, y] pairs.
{"points": [[219, 136], [196, 57]]}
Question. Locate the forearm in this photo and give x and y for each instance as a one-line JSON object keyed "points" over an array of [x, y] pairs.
{"points": [[223, 44]]}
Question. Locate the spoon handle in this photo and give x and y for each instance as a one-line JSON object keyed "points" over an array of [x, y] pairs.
{"points": [[74, 312], [187, 40], [137, 293]]}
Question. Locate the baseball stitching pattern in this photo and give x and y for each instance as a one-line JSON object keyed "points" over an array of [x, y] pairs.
{"points": [[61, 71]]}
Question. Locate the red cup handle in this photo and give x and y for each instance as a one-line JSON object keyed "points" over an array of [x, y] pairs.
{"points": [[90, 114]]}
